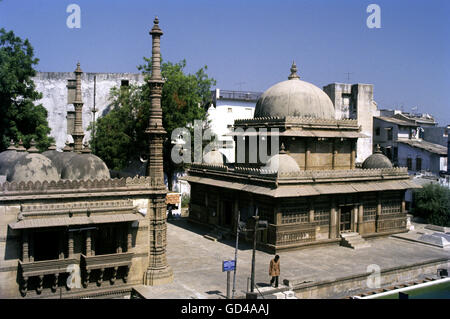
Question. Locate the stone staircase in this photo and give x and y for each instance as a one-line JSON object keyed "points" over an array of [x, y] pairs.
{"points": [[353, 240], [218, 233]]}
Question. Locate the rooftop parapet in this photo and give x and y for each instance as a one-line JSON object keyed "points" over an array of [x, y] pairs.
{"points": [[297, 121], [304, 176], [62, 187]]}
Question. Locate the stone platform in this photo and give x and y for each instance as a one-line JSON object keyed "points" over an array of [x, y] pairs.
{"points": [[197, 262]]}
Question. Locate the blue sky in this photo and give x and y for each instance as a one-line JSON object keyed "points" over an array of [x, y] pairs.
{"points": [[250, 45]]}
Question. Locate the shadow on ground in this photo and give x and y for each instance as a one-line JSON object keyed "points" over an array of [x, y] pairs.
{"points": [[183, 222]]}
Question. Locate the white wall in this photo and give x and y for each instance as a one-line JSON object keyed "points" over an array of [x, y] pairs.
{"points": [[53, 86], [223, 115]]}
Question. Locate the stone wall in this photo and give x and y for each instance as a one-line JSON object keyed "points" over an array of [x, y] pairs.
{"points": [[53, 86], [355, 102]]}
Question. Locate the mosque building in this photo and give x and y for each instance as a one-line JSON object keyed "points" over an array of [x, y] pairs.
{"points": [[310, 190], [67, 229]]}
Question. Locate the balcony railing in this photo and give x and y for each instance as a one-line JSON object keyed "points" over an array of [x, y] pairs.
{"points": [[103, 262], [41, 268]]}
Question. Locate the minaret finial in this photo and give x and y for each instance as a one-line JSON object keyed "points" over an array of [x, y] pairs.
{"points": [[294, 74]]}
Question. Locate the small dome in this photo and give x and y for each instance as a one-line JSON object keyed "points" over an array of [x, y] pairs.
{"points": [[59, 159], [85, 167], [377, 160], [282, 163], [213, 157], [33, 167], [294, 98], [8, 159]]}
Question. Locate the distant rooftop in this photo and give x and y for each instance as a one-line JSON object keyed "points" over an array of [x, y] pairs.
{"points": [[427, 146], [395, 121], [247, 96]]}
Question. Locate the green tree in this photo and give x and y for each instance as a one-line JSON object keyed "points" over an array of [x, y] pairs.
{"points": [[432, 202], [20, 118], [120, 134]]}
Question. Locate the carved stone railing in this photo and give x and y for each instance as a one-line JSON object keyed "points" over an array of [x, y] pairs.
{"points": [[391, 222], [308, 175], [79, 206], [42, 268], [103, 262], [295, 120], [68, 188], [283, 235]]}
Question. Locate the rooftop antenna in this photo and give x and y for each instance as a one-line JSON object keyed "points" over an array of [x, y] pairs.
{"points": [[94, 110], [348, 76]]}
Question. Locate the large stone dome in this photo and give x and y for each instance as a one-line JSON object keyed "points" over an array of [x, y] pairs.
{"points": [[33, 167], [377, 160], [85, 167], [294, 98]]}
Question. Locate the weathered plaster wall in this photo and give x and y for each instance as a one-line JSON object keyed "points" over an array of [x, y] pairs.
{"points": [[53, 86], [355, 102]]}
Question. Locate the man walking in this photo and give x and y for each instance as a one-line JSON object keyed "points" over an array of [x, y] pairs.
{"points": [[274, 270]]}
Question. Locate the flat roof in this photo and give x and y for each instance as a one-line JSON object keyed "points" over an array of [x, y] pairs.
{"points": [[424, 145], [395, 121]]}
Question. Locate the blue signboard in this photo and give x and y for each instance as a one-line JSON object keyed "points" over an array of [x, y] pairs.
{"points": [[228, 265]]}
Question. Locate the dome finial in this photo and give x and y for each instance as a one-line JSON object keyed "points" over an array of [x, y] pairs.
{"points": [[294, 70], [33, 148], [12, 146], [378, 149], [21, 148], [67, 148], [282, 150]]}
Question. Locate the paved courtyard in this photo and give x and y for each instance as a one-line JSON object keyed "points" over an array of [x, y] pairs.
{"points": [[197, 261]]}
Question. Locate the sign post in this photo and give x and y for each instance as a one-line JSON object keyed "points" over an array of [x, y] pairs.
{"points": [[236, 251], [228, 265]]}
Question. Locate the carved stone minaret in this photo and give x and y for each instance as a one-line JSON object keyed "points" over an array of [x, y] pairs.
{"points": [[158, 271], [78, 133]]}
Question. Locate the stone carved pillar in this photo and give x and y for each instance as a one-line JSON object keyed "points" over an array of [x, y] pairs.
{"points": [[31, 246], [158, 271], [333, 219], [119, 235], [334, 159], [378, 211], [129, 237], [355, 218], [93, 236], [360, 217], [311, 210], [70, 244], [61, 245], [353, 154], [88, 242], [25, 246], [307, 154]]}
